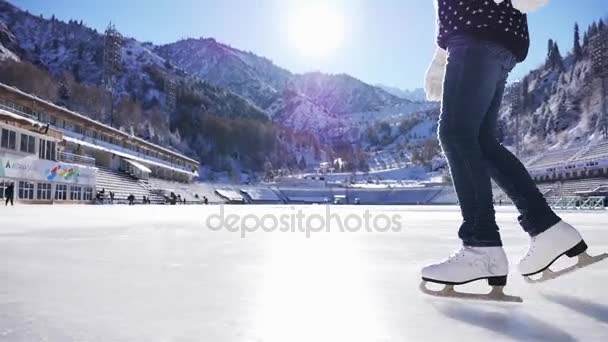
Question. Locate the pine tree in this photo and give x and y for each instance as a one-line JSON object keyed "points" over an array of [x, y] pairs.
{"points": [[76, 72], [525, 95], [302, 163], [559, 60], [593, 29], [554, 57], [80, 50], [549, 61], [578, 51]]}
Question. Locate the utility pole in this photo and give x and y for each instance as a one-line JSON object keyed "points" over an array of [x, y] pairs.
{"points": [[599, 57], [111, 63]]}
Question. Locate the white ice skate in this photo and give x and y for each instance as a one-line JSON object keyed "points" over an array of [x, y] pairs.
{"points": [[546, 248], [468, 265]]}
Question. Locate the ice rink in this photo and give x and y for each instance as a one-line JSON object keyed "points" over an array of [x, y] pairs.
{"points": [[158, 273]]}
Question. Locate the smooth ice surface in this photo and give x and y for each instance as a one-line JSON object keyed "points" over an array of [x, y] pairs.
{"points": [[157, 273]]}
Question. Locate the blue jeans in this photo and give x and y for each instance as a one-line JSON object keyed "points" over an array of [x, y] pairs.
{"points": [[476, 74]]}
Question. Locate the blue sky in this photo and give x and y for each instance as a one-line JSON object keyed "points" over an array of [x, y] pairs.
{"points": [[384, 41]]}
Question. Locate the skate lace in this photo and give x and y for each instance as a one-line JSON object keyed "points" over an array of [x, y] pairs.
{"points": [[532, 245], [457, 254]]}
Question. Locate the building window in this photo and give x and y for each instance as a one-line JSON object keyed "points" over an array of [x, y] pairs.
{"points": [[47, 150], [88, 194], [44, 118], [75, 193], [44, 191], [28, 144], [26, 190], [61, 191], [9, 139]]}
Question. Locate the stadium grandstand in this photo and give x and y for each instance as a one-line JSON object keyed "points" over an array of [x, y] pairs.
{"points": [[52, 154], [576, 175]]}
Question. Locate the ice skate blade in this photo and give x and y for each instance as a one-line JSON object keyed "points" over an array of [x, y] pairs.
{"points": [[584, 260], [496, 295]]}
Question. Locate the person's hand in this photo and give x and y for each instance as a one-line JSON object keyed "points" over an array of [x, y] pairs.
{"points": [[433, 85], [526, 6]]}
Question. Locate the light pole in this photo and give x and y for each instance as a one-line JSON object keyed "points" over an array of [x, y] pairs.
{"points": [[111, 63], [599, 58]]}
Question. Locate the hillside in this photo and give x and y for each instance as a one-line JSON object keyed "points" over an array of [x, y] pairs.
{"points": [[559, 103]]}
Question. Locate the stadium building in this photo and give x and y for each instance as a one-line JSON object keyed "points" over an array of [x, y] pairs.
{"points": [[52, 154]]}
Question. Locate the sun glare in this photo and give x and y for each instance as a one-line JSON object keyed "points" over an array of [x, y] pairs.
{"points": [[316, 30]]}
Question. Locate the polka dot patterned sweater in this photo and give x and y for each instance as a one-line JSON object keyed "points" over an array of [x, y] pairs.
{"points": [[485, 19]]}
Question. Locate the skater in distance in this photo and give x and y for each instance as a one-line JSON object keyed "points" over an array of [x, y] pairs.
{"points": [[479, 43]]}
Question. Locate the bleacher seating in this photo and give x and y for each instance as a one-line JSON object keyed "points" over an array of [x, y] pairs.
{"points": [[549, 190], [572, 187], [123, 185], [554, 157], [184, 190], [595, 151], [260, 195], [231, 195]]}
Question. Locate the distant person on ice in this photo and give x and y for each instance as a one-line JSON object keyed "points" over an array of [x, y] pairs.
{"points": [[9, 193], [479, 43]]}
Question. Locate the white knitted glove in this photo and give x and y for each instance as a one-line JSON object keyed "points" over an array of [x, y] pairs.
{"points": [[433, 85], [526, 6]]}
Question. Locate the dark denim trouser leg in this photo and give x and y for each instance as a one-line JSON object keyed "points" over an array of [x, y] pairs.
{"points": [[473, 73], [510, 174], [475, 77]]}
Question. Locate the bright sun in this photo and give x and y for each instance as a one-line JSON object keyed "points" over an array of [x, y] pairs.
{"points": [[316, 30]]}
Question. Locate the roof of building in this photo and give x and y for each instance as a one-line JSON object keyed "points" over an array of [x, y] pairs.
{"points": [[127, 156]]}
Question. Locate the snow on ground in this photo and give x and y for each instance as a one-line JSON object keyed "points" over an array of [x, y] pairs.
{"points": [[158, 273]]}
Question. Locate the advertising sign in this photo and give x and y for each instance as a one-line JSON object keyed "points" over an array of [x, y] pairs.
{"points": [[33, 169]]}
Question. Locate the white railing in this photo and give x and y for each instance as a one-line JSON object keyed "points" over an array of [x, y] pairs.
{"points": [[18, 112], [75, 159]]}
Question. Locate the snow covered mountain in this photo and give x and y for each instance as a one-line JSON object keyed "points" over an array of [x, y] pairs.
{"points": [[243, 73], [8, 43], [560, 103], [416, 95], [301, 113], [263, 83], [344, 94]]}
